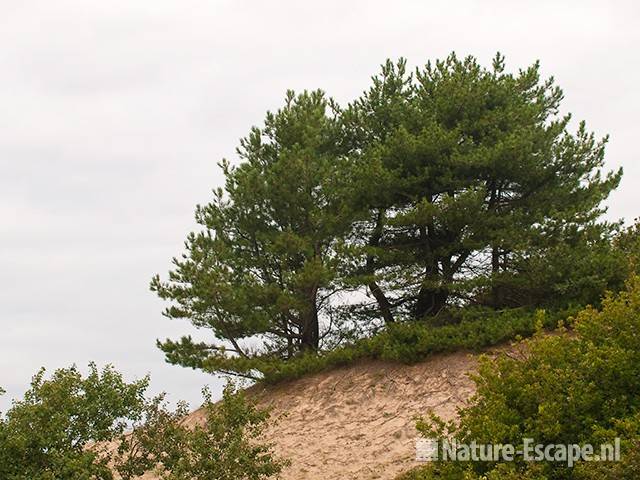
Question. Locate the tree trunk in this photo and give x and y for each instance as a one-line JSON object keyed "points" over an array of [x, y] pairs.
{"points": [[383, 303], [496, 291], [310, 326], [430, 302]]}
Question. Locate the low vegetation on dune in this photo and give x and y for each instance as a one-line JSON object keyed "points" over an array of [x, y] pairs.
{"points": [[581, 389]]}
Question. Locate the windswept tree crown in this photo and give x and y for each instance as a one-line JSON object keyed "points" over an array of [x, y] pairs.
{"points": [[451, 185]]}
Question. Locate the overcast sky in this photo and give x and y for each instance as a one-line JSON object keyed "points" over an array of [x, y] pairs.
{"points": [[113, 115]]}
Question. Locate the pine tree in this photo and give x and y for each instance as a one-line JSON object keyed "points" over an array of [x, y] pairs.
{"points": [[450, 186], [468, 170], [263, 270]]}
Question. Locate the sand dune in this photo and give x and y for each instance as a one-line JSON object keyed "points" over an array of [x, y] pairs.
{"points": [[358, 422]]}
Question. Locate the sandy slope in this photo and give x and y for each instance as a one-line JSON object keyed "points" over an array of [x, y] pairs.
{"points": [[358, 422]]}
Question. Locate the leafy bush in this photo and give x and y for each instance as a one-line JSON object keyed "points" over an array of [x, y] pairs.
{"points": [[45, 435], [225, 447], [569, 389], [71, 427]]}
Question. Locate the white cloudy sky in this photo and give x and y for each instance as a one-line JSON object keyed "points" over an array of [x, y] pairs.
{"points": [[113, 115]]}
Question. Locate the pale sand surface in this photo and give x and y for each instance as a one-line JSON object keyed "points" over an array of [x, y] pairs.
{"points": [[358, 422]]}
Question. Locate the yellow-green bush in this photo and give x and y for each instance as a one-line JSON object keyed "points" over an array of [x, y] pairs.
{"points": [[570, 389]]}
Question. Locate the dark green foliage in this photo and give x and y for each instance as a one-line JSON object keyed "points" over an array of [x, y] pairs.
{"points": [[472, 180], [454, 186], [579, 269], [582, 388], [627, 245], [267, 262], [415, 341]]}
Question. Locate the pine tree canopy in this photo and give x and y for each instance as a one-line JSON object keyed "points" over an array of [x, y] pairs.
{"points": [[448, 186]]}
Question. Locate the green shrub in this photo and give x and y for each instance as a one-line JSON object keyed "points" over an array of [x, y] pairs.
{"points": [[226, 446], [570, 389], [410, 342], [71, 427], [45, 435]]}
